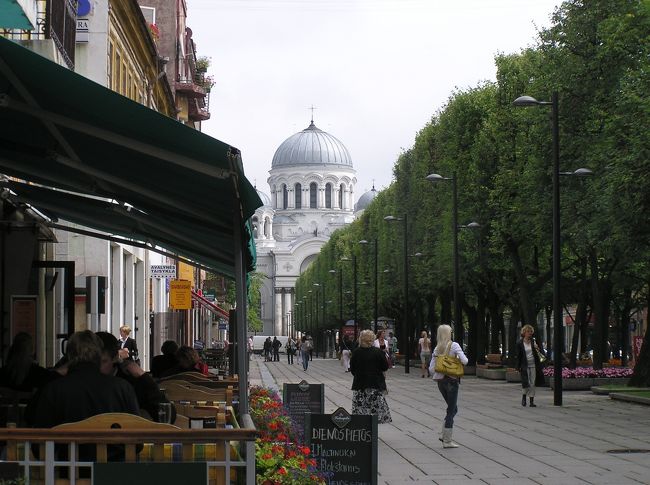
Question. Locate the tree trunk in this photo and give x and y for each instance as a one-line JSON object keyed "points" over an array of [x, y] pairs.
{"points": [[472, 316], [497, 337], [601, 292], [527, 308], [513, 335], [641, 376]]}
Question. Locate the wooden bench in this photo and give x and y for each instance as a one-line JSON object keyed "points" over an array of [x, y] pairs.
{"points": [[144, 442]]}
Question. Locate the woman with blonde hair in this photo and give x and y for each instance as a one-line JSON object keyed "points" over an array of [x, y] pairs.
{"points": [[529, 365], [447, 385], [424, 349], [368, 364]]}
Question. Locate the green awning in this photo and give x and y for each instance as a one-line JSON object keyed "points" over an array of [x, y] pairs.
{"points": [[163, 183]]}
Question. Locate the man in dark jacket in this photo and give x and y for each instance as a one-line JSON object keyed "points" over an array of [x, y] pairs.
{"points": [[160, 363], [276, 349], [84, 391]]}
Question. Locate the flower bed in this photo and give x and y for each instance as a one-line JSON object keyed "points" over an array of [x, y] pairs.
{"points": [[590, 372], [583, 378], [280, 455]]}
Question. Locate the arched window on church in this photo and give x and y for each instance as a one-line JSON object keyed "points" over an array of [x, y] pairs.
{"points": [[313, 192], [328, 196], [256, 227], [298, 196], [285, 196], [341, 190]]}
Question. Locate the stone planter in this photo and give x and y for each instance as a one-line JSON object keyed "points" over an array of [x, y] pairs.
{"points": [[495, 374], [513, 375], [480, 370]]}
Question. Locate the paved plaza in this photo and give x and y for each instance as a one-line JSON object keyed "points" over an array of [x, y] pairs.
{"points": [[501, 441]]}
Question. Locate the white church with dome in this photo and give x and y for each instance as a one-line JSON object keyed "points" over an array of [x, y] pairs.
{"points": [[312, 186]]}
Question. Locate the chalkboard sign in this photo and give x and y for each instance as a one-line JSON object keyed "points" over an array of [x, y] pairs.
{"points": [[344, 446], [303, 398]]}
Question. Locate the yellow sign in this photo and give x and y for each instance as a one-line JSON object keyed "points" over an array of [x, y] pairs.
{"points": [[185, 272], [180, 295]]}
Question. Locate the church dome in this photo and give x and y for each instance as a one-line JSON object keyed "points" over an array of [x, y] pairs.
{"points": [[365, 200], [266, 200], [311, 146]]}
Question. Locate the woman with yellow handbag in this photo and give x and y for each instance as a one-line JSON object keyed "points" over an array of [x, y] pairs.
{"points": [[446, 364]]}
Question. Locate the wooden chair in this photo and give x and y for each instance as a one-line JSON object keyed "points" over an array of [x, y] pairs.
{"points": [[179, 393]]}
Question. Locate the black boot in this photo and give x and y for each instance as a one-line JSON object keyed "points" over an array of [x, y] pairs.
{"points": [[532, 402], [523, 400]]}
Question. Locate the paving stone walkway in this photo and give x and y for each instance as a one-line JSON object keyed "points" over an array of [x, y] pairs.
{"points": [[502, 443]]}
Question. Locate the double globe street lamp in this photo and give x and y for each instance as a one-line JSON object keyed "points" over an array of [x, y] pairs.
{"points": [[558, 337], [458, 320], [406, 326]]}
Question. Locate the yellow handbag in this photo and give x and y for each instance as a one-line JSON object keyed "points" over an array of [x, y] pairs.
{"points": [[449, 365]]}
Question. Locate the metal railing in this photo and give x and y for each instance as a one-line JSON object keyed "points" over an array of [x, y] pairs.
{"points": [[55, 20]]}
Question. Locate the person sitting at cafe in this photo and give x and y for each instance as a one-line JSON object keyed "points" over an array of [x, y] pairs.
{"points": [[84, 391], [21, 372], [187, 360], [160, 363], [146, 390]]}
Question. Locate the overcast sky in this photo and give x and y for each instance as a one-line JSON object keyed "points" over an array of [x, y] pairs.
{"points": [[376, 70]]}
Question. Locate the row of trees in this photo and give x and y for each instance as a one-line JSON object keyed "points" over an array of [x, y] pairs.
{"points": [[596, 54]]}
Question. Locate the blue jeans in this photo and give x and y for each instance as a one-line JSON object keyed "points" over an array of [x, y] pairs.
{"points": [[448, 387], [305, 360]]}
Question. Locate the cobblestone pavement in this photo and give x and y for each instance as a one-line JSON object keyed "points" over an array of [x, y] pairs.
{"points": [[502, 443]]}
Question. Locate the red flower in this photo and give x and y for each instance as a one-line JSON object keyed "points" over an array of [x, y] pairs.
{"points": [[305, 450], [282, 471]]}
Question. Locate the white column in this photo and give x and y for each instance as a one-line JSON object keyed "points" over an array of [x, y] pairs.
{"points": [[291, 191], [335, 197], [117, 290], [129, 283], [277, 321], [288, 305]]}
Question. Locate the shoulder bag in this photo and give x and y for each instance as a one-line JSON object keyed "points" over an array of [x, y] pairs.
{"points": [[449, 365]]}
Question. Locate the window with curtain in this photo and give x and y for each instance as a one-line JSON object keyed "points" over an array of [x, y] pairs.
{"points": [[298, 196], [313, 191]]}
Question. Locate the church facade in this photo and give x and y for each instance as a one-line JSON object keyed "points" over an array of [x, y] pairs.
{"points": [[312, 192]]}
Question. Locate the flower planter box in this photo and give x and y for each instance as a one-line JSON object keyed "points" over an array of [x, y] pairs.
{"points": [[480, 370], [513, 375], [585, 383]]}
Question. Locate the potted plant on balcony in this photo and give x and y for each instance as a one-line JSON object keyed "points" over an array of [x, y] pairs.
{"points": [[206, 83], [202, 64]]}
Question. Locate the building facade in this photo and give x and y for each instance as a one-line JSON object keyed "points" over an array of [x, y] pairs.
{"points": [[312, 192]]}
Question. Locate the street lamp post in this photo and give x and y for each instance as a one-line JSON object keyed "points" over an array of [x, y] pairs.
{"points": [[407, 329], [558, 329], [354, 291], [557, 305], [458, 323], [376, 303]]}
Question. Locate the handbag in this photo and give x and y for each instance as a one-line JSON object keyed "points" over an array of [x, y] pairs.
{"points": [[540, 356], [449, 365]]}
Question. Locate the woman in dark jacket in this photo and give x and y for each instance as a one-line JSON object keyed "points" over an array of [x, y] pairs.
{"points": [[368, 365], [529, 364]]}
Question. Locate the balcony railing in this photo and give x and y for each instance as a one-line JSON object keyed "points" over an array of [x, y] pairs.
{"points": [[55, 20]]}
